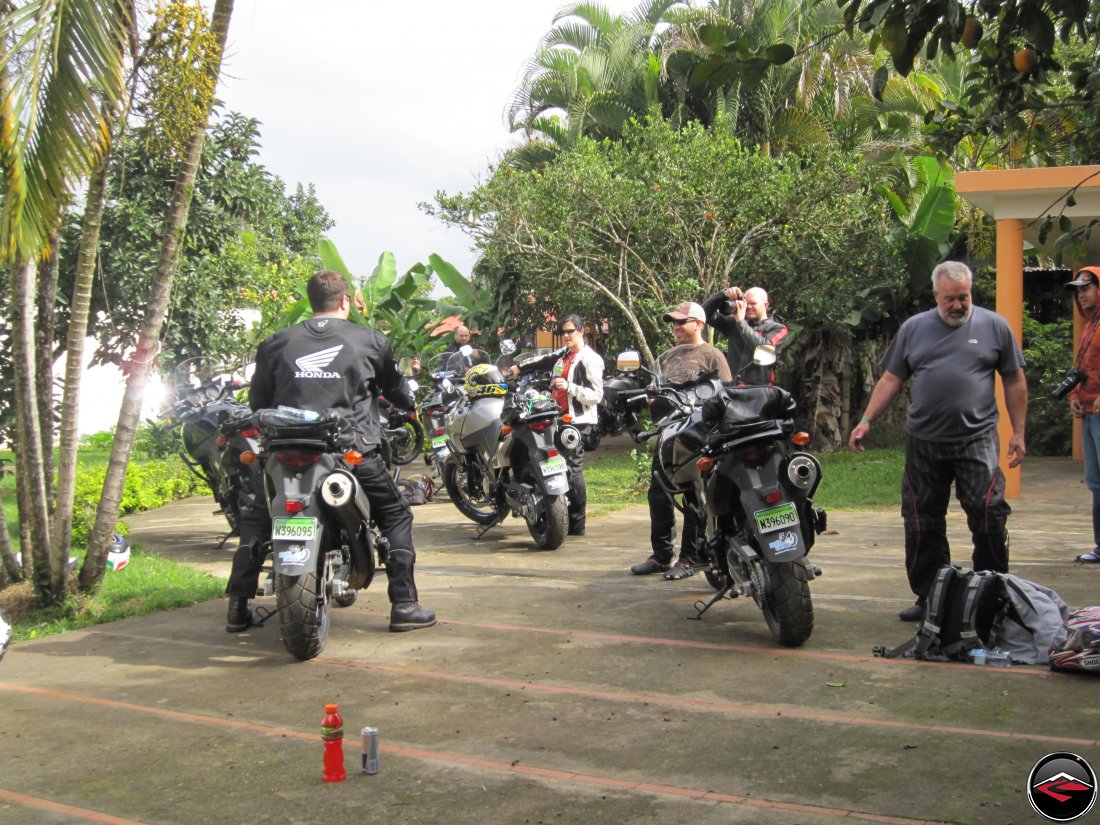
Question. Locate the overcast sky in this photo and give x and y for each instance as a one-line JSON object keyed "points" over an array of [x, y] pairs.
{"points": [[381, 105]]}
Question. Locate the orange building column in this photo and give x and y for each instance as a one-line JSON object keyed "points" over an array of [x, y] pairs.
{"points": [[1010, 306]]}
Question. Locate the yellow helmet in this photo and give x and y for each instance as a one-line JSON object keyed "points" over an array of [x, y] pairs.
{"points": [[484, 380]]}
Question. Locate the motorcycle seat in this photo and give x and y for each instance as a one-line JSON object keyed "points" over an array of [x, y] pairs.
{"points": [[740, 434]]}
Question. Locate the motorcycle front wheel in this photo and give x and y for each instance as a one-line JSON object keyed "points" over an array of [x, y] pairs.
{"points": [[406, 442], [464, 485], [788, 609], [303, 614], [547, 526]]}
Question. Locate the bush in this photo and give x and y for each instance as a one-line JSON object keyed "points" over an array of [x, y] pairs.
{"points": [[148, 484], [1048, 351]]}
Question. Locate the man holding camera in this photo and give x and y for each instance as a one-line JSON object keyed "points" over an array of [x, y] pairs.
{"points": [[742, 316], [951, 353], [1082, 384]]}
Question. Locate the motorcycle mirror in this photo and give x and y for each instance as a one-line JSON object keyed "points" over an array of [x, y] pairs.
{"points": [[466, 350], [628, 361], [448, 385], [764, 355], [413, 386], [507, 346]]}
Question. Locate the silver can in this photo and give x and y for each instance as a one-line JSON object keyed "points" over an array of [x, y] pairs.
{"points": [[370, 750]]}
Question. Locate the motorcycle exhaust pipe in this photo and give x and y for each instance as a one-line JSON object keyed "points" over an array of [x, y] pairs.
{"points": [[569, 437], [341, 489], [802, 472], [341, 492]]}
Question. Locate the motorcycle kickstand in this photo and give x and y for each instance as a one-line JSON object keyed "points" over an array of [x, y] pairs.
{"points": [[699, 611], [487, 527], [261, 613]]}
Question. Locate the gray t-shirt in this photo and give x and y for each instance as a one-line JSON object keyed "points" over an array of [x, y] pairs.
{"points": [[952, 371]]}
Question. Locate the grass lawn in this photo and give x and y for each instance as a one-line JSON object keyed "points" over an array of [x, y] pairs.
{"points": [[867, 481]]}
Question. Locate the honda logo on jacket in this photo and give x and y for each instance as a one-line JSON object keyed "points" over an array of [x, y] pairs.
{"points": [[313, 366]]}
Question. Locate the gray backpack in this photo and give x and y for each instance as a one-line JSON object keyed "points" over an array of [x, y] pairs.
{"points": [[1035, 618]]}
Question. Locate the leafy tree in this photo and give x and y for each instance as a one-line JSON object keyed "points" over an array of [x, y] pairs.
{"points": [[61, 74], [247, 242], [629, 229], [209, 58]]}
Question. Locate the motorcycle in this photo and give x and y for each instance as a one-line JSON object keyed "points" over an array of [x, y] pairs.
{"points": [[402, 435], [437, 407], [614, 415], [507, 455], [731, 453], [200, 413], [322, 544]]}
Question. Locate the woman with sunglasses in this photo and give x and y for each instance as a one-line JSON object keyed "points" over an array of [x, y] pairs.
{"points": [[577, 386]]}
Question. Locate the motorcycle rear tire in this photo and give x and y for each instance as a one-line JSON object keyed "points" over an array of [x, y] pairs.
{"points": [[406, 442], [479, 511], [549, 526], [303, 615], [788, 609]]}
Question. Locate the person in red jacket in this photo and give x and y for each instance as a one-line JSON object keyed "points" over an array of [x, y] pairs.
{"points": [[1084, 399]]}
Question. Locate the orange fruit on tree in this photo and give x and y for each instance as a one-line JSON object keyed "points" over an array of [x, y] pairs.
{"points": [[972, 32], [1026, 59]]}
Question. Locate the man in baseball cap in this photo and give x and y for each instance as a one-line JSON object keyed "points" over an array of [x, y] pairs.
{"points": [[1084, 399]]}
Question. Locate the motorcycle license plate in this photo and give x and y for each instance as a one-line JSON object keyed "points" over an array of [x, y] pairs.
{"points": [[776, 518], [301, 528], [439, 441], [552, 465]]}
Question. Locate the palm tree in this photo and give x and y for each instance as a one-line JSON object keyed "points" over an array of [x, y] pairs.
{"points": [[591, 74], [61, 66]]}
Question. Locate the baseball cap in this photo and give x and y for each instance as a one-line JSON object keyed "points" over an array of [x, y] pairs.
{"points": [[1085, 276], [685, 310]]}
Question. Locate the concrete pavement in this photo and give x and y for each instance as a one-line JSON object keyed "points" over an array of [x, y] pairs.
{"points": [[557, 688]]}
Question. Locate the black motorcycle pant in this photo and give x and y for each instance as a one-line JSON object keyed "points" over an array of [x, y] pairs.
{"points": [[930, 468], [578, 493], [389, 510], [662, 523]]}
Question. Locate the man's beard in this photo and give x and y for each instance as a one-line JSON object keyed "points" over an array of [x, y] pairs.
{"points": [[956, 320]]}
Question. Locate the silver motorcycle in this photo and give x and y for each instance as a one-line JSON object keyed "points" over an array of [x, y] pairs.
{"points": [[508, 455]]}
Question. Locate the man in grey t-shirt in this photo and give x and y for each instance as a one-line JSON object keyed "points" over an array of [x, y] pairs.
{"points": [[951, 353]]}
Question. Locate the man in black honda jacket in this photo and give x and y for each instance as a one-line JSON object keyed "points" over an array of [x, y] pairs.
{"points": [[327, 362]]}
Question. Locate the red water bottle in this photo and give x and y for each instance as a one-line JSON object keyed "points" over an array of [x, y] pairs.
{"points": [[332, 732]]}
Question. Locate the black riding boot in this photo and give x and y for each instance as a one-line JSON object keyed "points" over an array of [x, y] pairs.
{"points": [[239, 617], [405, 613]]}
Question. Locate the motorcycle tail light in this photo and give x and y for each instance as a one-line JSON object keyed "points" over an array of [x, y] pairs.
{"points": [[773, 496], [249, 457], [294, 506], [353, 457], [438, 431], [705, 464], [539, 426], [250, 432], [551, 453], [221, 440], [801, 439], [299, 461]]}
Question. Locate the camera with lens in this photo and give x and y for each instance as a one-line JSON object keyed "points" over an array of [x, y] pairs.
{"points": [[1074, 376]]}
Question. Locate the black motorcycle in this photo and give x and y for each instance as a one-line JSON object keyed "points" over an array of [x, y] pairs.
{"points": [[731, 455], [322, 544], [614, 415], [201, 412]]}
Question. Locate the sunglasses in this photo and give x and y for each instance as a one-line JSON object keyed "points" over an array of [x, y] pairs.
{"points": [[569, 331], [679, 322]]}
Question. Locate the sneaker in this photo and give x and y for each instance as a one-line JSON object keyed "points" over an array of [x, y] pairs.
{"points": [[1092, 557], [681, 570], [914, 613], [650, 565], [410, 616], [239, 617]]}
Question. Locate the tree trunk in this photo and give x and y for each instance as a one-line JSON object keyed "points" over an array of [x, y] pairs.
{"points": [[45, 329], [74, 353], [30, 479], [91, 573]]}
